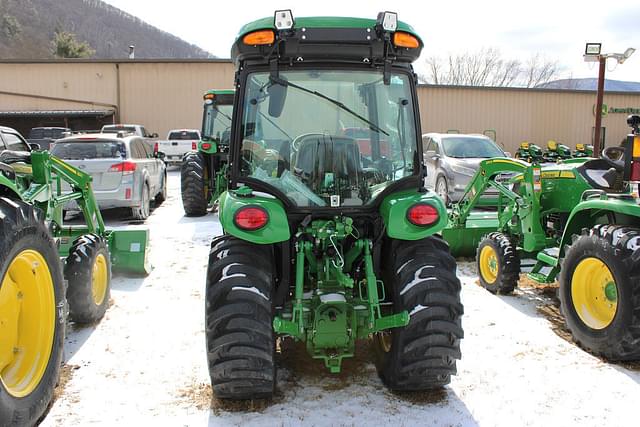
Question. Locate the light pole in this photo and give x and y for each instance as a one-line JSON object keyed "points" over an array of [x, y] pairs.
{"points": [[592, 54]]}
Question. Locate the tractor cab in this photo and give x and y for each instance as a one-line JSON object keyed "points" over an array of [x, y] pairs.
{"points": [[327, 112], [216, 120]]}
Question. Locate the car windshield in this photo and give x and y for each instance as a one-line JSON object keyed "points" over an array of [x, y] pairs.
{"points": [[80, 150], [184, 135], [328, 138], [467, 147], [217, 122]]}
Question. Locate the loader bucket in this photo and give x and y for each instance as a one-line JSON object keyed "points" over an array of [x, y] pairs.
{"points": [[464, 240], [129, 251]]}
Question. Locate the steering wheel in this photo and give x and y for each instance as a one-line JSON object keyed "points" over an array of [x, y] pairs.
{"points": [[295, 144], [614, 156]]}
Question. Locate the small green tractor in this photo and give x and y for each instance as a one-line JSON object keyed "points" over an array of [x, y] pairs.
{"points": [[203, 175], [580, 221], [529, 152], [556, 152], [329, 234], [47, 269], [583, 150]]}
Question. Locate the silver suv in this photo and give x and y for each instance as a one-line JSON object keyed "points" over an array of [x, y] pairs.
{"points": [[453, 159], [126, 171]]}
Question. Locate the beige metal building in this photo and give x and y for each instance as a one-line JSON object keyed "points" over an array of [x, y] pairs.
{"points": [[167, 94]]}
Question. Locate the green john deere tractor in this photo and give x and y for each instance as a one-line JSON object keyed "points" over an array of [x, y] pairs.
{"points": [[580, 221], [556, 152], [203, 176], [329, 234], [529, 153], [38, 253], [583, 150]]}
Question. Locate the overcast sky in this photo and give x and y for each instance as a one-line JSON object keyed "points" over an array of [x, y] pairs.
{"points": [[557, 29]]}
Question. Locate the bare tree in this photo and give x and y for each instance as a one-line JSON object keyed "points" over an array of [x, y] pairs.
{"points": [[539, 70], [487, 67]]}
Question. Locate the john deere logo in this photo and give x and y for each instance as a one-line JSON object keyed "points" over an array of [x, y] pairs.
{"points": [[613, 110], [605, 110]]}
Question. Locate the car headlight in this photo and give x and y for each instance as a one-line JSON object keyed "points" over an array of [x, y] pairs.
{"points": [[462, 170]]}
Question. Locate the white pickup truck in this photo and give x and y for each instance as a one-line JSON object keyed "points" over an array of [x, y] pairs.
{"points": [[179, 142]]}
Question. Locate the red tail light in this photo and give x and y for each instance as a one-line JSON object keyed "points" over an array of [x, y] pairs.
{"points": [[251, 218], [155, 148], [422, 214], [194, 145], [124, 167]]}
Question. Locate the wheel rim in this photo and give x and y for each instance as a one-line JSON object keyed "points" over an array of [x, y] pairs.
{"points": [[594, 293], [442, 190], [27, 304], [488, 264], [99, 279]]}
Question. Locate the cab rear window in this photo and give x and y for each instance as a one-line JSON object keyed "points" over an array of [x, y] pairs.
{"points": [[183, 135], [89, 150]]}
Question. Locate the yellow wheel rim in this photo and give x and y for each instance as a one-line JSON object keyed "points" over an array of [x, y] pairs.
{"points": [[594, 293], [27, 322], [99, 279], [488, 264]]}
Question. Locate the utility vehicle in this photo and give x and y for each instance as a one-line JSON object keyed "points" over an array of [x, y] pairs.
{"points": [[329, 238]]}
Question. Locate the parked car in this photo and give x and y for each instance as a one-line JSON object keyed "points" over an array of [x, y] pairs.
{"points": [[126, 172], [44, 136], [10, 139], [130, 128], [178, 143], [452, 159]]}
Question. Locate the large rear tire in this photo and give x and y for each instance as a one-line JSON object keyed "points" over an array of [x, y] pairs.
{"points": [[423, 354], [239, 319], [33, 315], [600, 291], [498, 264], [193, 185], [88, 272]]}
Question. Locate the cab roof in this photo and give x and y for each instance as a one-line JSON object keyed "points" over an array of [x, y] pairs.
{"points": [[325, 38]]}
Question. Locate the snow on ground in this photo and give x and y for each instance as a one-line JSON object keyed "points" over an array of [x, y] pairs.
{"points": [[145, 362]]}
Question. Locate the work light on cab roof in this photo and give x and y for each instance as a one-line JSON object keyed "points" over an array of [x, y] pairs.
{"points": [[305, 38]]}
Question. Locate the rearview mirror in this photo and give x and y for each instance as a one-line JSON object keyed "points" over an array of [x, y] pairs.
{"points": [[277, 95], [154, 135], [34, 146]]}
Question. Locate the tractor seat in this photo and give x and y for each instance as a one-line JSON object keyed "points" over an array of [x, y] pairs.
{"points": [[10, 156], [600, 175], [321, 154]]}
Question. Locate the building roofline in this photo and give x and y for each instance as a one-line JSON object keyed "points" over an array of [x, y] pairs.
{"points": [[115, 61], [527, 89]]}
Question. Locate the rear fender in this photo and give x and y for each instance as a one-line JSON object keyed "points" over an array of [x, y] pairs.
{"points": [[277, 228], [394, 208], [596, 211]]}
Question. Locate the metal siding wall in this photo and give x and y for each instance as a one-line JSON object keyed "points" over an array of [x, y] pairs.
{"points": [[164, 96], [517, 115], [83, 81]]}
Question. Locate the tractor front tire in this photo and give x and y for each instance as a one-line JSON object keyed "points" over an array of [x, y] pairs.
{"points": [[423, 354], [239, 319], [88, 273], [498, 264], [193, 185], [600, 292], [33, 315]]}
